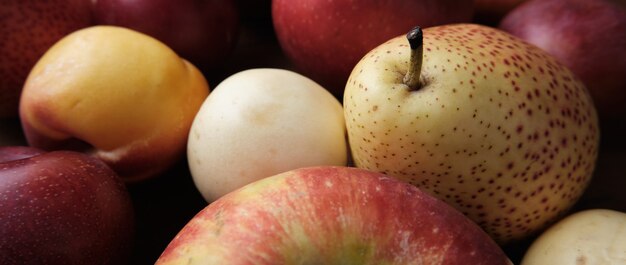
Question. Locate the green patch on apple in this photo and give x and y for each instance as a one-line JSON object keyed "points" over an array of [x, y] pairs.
{"points": [[331, 215]]}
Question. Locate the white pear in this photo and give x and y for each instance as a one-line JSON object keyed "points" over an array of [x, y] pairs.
{"points": [[595, 236], [261, 122]]}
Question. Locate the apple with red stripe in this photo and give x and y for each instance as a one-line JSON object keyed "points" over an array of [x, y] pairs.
{"points": [[331, 215]]}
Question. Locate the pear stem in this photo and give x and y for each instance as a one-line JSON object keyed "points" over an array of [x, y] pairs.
{"points": [[416, 41]]}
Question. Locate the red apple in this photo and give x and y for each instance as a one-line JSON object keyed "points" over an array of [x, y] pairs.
{"points": [[588, 36], [10, 153], [203, 32], [325, 39], [61, 207], [331, 215], [27, 29]]}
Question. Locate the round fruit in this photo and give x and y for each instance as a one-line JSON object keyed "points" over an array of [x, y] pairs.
{"points": [[261, 122], [117, 94], [331, 215], [62, 207], [596, 236], [495, 126]]}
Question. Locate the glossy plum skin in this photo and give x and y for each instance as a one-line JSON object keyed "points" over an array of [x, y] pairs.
{"points": [[62, 207]]}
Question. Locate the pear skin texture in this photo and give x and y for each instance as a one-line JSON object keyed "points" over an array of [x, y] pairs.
{"points": [[129, 97], [499, 129]]}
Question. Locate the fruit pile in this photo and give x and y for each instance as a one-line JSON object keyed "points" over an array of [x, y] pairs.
{"points": [[312, 132]]}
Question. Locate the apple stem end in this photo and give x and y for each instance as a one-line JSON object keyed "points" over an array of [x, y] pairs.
{"points": [[416, 42]]}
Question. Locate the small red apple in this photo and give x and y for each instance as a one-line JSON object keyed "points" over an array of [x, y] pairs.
{"points": [[62, 207], [331, 215], [587, 36], [27, 29], [325, 39], [203, 32]]}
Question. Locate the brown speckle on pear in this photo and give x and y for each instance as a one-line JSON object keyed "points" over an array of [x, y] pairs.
{"points": [[500, 129]]}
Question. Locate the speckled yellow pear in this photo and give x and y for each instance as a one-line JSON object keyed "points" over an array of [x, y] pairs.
{"points": [[595, 236], [116, 94], [490, 124], [261, 122]]}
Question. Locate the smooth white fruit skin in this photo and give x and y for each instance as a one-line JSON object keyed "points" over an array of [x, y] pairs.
{"points": [[261, 122], [596, 236]]}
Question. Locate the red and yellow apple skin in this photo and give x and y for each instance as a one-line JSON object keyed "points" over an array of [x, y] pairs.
{"points": [[27, 29], [330, 215], [116, 94]]}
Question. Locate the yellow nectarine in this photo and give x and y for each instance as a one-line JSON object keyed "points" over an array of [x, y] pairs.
{"points": [[127, 99]]}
